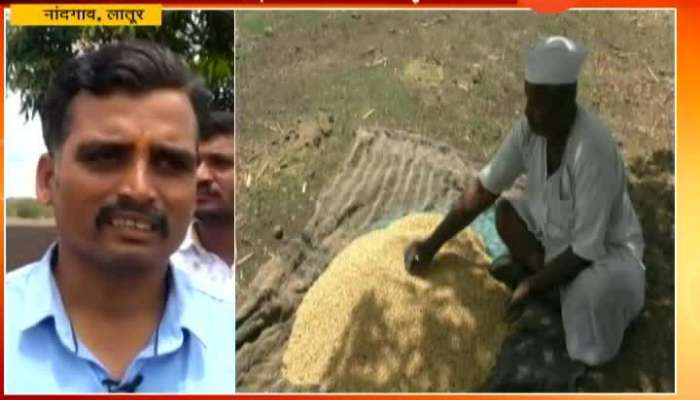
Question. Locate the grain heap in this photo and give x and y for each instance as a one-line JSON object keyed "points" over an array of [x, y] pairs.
{"points": [[367, 325]]}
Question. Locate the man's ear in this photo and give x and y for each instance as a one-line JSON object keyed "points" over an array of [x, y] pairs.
{"points": [[45, 179]]}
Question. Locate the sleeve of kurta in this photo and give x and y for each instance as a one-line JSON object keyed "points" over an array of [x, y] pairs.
{"points": [[598, 185], [505, 167]]}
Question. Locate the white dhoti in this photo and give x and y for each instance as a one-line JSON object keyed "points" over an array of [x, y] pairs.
{"points": [[597, 305]]}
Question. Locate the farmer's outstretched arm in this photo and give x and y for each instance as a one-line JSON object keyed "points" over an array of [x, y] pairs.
{"points": [[477, 196], [474, 199]]}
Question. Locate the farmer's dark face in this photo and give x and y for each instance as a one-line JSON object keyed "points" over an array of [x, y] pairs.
{"points": [[549, 109], [123, 184]]}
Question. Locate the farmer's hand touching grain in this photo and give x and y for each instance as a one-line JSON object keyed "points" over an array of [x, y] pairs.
{"points": [[417, 257], [516, 303]]}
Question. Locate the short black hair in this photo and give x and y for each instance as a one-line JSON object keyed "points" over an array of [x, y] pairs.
{"points": [[219, 123], [135, 66]]}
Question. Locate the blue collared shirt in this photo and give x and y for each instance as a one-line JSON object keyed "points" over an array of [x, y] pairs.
{"points": [[192, 350]]}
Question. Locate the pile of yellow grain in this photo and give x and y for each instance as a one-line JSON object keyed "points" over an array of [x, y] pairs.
{"points": [[367, 325]]}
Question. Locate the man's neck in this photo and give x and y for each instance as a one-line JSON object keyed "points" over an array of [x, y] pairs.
{"points": [[217, 238], [558, 140], [557, 143], [106, 291], [114, 314]]}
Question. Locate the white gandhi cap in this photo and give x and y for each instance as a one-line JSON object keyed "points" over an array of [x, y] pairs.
{"points": [[555, 60]]}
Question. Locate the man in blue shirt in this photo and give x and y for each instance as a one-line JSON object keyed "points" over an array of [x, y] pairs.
{"points": [[104, 310]]}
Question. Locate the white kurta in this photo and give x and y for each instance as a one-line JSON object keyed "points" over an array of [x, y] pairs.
{"points": [[583, 205]]}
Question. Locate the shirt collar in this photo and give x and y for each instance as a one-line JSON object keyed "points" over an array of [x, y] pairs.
{"points": [[193, 243], [192, 240], [184, 309], [44, 299]]}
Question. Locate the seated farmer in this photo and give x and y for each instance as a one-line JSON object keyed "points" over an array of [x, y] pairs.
{"points": [[575, 229], [103, 310], [208, 251]]}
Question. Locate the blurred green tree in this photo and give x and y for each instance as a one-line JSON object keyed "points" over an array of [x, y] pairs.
{"points": [[25, 207], [205, 39]]}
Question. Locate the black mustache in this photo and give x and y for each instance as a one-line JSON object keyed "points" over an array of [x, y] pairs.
{"points": [[153, 216]]}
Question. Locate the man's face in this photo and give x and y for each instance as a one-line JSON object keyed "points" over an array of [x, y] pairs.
{"points": [[545, 110], [123, 184], [216, 179]]}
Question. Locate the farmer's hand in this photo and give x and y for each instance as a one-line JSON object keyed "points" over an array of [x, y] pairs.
{"points": [[516, 303], [417, 257]]}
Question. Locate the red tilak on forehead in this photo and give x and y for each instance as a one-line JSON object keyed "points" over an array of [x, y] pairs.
{"points": [[143, 139]]}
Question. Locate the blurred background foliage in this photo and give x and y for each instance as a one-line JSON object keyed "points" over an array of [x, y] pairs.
{"points": [[205, 39]]}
